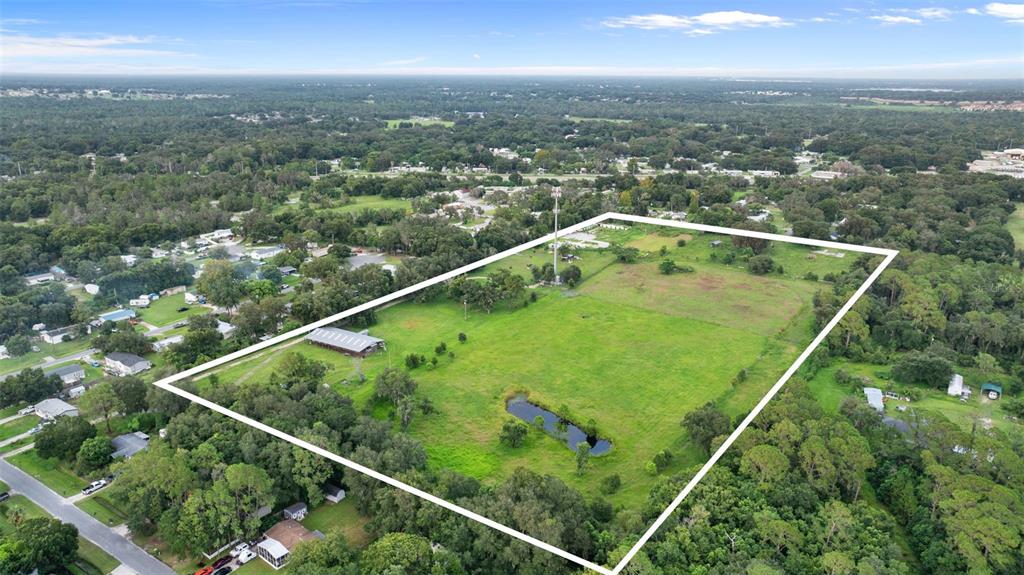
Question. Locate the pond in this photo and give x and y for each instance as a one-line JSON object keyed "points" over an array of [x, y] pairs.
{"points": [[520, 407]]}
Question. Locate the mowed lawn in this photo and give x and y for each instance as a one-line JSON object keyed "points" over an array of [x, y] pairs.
{"points": [[360, 203], [1016, 226], [164, 311], [50, 471]]}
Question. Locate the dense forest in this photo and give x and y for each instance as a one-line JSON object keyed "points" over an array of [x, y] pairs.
{"points": [[806, 489]]}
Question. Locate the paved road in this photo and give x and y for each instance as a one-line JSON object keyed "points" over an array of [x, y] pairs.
{"points": [[48, 364], [122, 549]]}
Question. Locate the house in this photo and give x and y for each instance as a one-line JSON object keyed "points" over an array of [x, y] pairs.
{"points": [[68, 374], [191, 298], [56, 336], [130, 260], [281, 540], [296, 511], [172, 290], [261, 254], [129, 444], [118, 315], [51, 409], [991, 390], [333, 493], [39, 279], [4, 354], [123, 364], [345, 341], [287, 270], [216, 235], [76, 392], [163, 344], [139, 302], [226, 329], [874, 396], [59, 273], [826, 175], [92, 289]]}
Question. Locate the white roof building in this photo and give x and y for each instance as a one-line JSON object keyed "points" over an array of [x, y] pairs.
{"points": [[53, 408]]}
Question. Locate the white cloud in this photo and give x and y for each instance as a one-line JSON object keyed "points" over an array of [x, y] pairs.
{"points": [[404, 62], [20, 21], [973, 11], [701, 24], [1012, 12], [821, 20], [892, 20], [26, 46], [476, 56], [934, 13]]}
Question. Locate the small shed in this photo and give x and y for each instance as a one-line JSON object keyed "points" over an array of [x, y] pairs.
{"points": [[992, 390], [333, 493], [874, 396], [296, 511]]}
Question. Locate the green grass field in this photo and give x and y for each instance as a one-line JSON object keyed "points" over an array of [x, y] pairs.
{"points": [[164, 311], [1016, 226], [18, 426], [50, 471], [102, 509], [630, 348], [360, 203], [19, 363], [340, 517]]}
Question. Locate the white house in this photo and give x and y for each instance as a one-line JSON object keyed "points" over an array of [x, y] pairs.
{"points": [[130, 259], [874, 396], [39, 279], [55, 336], [226, 329], [956, 386], [123, 364], [163, 344]]}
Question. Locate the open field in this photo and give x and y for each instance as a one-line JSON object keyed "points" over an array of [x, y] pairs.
{"points": [[360, 203], [630, 348], [17, 426], [19, 363], [165, 310], [340, 517], [50, 471], [1016, 226]]}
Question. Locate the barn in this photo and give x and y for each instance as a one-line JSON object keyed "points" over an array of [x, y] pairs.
{"points": [[347, 342]]}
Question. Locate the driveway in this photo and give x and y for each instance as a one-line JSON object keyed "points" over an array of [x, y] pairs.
{"points": [[119, 547]]}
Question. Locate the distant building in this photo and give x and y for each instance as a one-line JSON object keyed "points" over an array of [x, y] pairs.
{"points": [[4, 354], [874, 396], [55, 336], [130, 260], [92, 289], [226, 329], [265, 253], [129, 444], [39, 279], [827, 175], [118, 315], [957, 388], [51, 409], [163, 344], [287, 270], [345, 341], [124, 364], [992, 390], [68, 374]]}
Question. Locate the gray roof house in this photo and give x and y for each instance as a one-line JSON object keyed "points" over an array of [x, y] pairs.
{"points": [[68, 374], [345, 341], [129, 444], [53, 408], [123, 364]]}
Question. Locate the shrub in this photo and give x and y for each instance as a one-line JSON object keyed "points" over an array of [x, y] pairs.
{"points": [[761, 265], [611, 484]]}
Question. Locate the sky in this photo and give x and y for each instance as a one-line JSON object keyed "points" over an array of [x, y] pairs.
{"points": [[825, 38]]}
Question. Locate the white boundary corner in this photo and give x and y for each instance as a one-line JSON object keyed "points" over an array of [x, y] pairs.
{"points": [[167, 383]]}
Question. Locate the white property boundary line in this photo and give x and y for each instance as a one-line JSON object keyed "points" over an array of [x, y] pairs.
{"points": [[167, 382]]}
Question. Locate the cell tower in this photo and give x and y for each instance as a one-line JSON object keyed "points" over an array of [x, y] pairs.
{"points": [[557, 193]]}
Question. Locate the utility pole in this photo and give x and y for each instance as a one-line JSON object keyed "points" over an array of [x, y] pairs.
{"points": [[557, 193]]}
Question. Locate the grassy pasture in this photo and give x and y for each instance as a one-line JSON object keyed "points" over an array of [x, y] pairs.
{"points": [[1016, 226], [630, 348], [164, 311], [360, 203]]}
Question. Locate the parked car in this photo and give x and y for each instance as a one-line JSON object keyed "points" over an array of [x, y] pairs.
{"points": [[222, 571], [180, 324], [204, 571], [94, 487], [182, 309], [26, 410], [35, 429], [4, 496], [222, 562], [94, 363], [245, 557], [243, 546]]}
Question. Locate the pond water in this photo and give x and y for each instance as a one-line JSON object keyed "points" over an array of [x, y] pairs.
{"points": [[520, 407]]}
